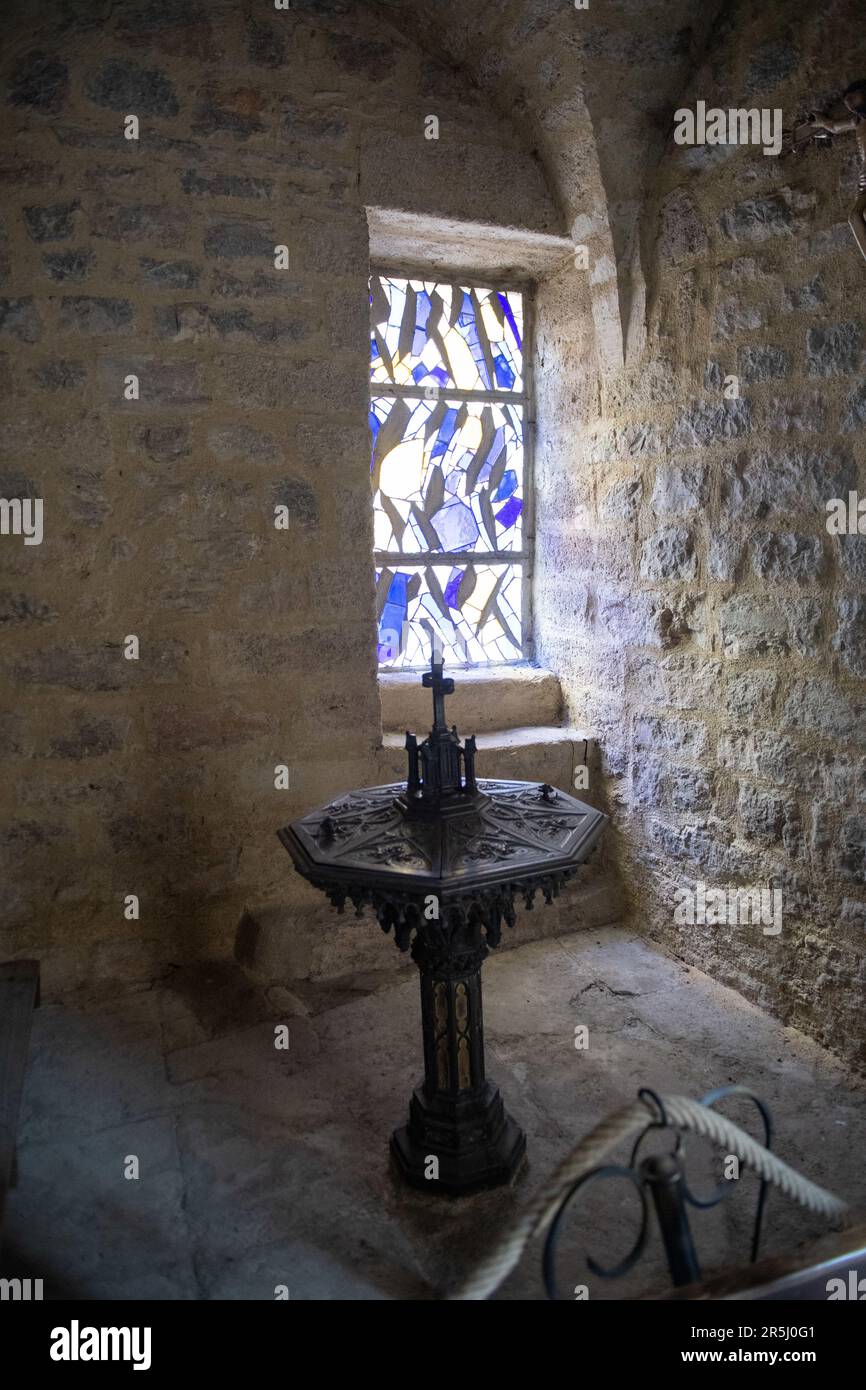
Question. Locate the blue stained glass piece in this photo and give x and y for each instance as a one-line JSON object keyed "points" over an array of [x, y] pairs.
{"points": [[375, 423], [440, 374], [422, 314], [509, 513], [452, 587], [397, 594], [477, 352], [504, 374], [445, 435], [455, 526], [394, 613], [418, 373], [495, 450], [506, 487], [503, 300], [374, 350]]}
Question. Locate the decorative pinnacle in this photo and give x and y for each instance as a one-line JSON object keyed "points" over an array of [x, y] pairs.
{"points": [[441, 776]]}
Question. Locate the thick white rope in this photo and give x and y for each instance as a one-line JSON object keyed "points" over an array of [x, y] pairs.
{"points": [[626, 1124]]}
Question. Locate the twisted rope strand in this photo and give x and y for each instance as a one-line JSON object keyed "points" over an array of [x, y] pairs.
{"points": [[622, 1125]]}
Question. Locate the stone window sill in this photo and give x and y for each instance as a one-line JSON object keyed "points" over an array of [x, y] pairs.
{"points": [[484, 700]]}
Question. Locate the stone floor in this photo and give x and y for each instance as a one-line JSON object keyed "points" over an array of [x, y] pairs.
{"points": [[261, 1167]]}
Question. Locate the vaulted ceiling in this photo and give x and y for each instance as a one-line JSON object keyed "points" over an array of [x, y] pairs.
{"points": [[593, 92]]}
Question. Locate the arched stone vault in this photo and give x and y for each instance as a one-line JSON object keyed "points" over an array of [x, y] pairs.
{"points": [[593, 94]]}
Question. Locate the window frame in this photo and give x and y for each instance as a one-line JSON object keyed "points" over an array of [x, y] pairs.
{"points": [[526, 399]]}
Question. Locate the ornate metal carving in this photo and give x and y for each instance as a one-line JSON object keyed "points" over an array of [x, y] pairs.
{"points": [[441, 861]]}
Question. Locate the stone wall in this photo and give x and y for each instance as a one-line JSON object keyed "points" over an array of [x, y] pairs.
{"points": [[155, 258], [704, 622]]}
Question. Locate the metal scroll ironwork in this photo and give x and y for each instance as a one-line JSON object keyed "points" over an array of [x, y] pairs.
{"points": [[661, 1183]]}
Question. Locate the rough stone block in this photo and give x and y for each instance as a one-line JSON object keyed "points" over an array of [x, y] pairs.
{"points": [[849, 640], [236, 112], [93, 314], [177, 383], [60, 375], [751, 695], [785, 481], [724, 556], [855, 417], [261, 285], [830, 241], [679, 490], [681, 231], [162, 443], [705, 846], [669, 554], [835, 350], [68, 265], [801, 413], [225, 186], [235, 240], [672, 734], [300, 498], [818, 706], [851, 853], [24, 608], [680, 680], [53, 222], [688, 789], [762, 363], [124, 86], [159, 223], [302, 127], [194, 322], [771, 756], [762, 814], [170, 275], [41, 81], [852, 550], [751, 625], [622, 500], [704, 423], [84, 736], [732, 316], [802, 298], [782, 555], [20, 319], [772, 62], [241, 441], [759, 219]]}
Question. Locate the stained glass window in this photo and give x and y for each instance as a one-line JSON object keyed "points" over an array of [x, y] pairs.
{"points": [[448, 406]]}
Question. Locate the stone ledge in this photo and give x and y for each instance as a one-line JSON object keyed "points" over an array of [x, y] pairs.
{"points": [[400, 239], [528, 754], [483, 701]]}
